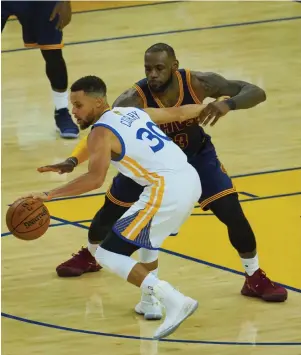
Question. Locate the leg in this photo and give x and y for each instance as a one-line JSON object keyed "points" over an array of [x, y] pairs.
{"points": [[149, 306], [114, 254], [5, 13], [50, 41], [121, 195], [84, 261], [228, 210], [220, 196]]}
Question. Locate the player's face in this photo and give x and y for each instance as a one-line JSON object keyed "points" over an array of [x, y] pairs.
{"points": [[85, 108], [158, 70]]}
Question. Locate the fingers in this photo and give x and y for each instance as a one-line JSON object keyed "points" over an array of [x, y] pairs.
{"points": [[216, 118], [53, 14], [47, 168]]}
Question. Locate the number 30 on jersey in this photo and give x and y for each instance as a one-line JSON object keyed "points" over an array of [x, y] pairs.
{"points": [[154, 135]]}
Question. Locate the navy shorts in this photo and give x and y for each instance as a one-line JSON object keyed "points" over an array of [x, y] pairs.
{"points": [[34, 16], [216, 183]]}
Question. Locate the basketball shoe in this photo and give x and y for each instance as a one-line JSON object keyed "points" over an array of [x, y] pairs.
{"points": [[259, 285], [79, 264]]}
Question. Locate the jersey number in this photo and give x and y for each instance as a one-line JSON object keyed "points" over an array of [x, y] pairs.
{"points": [[153, 136]]}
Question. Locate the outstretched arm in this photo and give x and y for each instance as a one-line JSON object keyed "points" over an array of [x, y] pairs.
{"points": [[170, 114], [245, 95], [241, 95]]}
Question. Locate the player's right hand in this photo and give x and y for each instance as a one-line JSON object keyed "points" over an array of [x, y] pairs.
{"points": [[66, 166]]}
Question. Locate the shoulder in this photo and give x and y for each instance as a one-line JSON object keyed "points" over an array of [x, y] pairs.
{"points": [[128, 98]]}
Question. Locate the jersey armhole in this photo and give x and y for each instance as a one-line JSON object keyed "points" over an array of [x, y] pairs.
{"points": [[191, 91], [141, 94], [113, 130]]}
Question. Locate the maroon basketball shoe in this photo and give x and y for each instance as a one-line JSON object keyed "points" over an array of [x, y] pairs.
{"points": [[259, 285], [79, 264]]}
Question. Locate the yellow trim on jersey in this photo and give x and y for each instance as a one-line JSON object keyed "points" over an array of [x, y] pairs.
{"points": [[141, 94], [81, 151], [217, 196], [117, 202], [192, 93], [152, 207], [181, 95]]}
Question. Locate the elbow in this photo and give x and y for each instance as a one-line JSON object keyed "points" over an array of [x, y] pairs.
{"points": [[97, 183]]}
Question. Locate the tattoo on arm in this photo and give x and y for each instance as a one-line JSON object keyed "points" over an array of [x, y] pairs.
{"points": [[129, 98], [244, 94]]}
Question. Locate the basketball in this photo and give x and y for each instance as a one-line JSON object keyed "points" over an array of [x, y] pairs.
{"points": [[27, 219]]}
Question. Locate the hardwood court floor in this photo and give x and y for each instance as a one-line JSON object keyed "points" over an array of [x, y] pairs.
{"points": [[253, 41]]}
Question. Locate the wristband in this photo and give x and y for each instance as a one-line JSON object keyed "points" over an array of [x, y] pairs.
{"points": [[73, 160], [231, 103]]}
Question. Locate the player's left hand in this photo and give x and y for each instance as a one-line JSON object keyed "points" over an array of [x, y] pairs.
{"points": [[63, 10], [213, 112], [41, 196]]}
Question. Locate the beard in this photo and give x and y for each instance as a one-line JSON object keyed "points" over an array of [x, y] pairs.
{"points": [[89, 120], [162, 87]]}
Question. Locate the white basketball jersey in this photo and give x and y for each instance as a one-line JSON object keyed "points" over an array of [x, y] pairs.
{"points": [[146, 151]]}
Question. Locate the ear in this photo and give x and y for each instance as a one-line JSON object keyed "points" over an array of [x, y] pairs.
{"points": [[99, 102], [175, 65]]}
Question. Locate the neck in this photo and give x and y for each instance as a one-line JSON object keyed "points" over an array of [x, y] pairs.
{"points": [[101, 111]]}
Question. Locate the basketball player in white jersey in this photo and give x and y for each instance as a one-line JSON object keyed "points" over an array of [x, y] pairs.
{"points": [[129, 138]]}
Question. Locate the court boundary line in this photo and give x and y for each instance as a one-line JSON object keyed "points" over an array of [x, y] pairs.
{"points": [[134, 337], [80, 12], [78, 222], [232, 177], [65, 222], [142, 35]]}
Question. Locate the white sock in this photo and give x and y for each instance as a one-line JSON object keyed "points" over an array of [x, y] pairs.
{"points": [[149, 283], [118, 264], [155, 272], [92, 248], [60, 99], [147, 256], [147, 296], [250, 265]]}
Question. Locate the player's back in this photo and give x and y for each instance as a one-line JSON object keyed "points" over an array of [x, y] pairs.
{"points": [[146, 151]]}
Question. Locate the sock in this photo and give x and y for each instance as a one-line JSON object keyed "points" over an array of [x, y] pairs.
{"points": [[149, 283], [155, 272], [146, 296], [92, 248], [118, 264], [250, 265], [60, 99]]}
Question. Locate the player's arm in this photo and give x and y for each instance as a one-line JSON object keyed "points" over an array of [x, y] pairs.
{"points": [[241, 95], [170, 114], [78, 156], [129, 98], [99, 146]]}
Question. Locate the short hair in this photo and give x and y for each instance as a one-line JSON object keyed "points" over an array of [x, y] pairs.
{"points": [[162, 47], [90, 85]]}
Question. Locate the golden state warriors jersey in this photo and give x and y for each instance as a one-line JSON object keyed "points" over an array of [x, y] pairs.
{"points": [[147, 153]]}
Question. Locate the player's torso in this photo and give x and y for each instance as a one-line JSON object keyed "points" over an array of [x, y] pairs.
{"points": [[146, 151], [187, 135]]}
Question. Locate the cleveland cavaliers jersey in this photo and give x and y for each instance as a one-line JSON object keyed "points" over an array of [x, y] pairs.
{"points": [[147, 153], [188, 135]]}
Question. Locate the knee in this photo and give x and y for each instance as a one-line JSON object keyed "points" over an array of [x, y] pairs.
{"points": [[228, 210], [52, 56]]}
